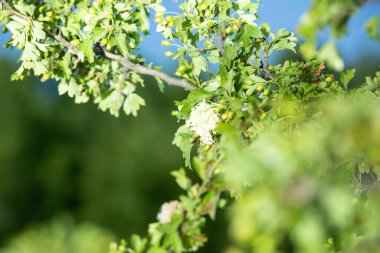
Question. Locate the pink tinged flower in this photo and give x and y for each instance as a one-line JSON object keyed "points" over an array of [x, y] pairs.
{"points": [[167, 211]]}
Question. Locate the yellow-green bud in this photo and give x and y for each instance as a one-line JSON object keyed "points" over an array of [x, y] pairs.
{"points": [[329, 79], [230, 115], [165, 43], [207, 147], [160, 14], [104, 42], [182, 68], [207, 43], [260, 87], [248, 81], [75, 42], [228, 30]]}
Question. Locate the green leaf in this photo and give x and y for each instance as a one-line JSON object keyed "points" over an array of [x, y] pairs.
{"points": [[346, 77], [30, 53], [200, 64], [183, 140], [38, 31], [200, 167], [144, 20], [230, 53], [39, 68], [228, 82], [99, 33], [113, 102], [86, 48], [257, 79], [137, 243], [330, 54], [119, 41], [132, 104], [248, 33], [372, 27], [181, 178]]}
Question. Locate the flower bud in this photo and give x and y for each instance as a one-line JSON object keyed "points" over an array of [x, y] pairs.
{"points": [[165, 43]]}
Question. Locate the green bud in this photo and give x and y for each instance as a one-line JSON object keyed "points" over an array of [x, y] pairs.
{"points": [[75, 42], [329, 79], [165, 43], [207, 147], [230, 115], [228, 30], [260, 87], [104, 42], [182, 68]]}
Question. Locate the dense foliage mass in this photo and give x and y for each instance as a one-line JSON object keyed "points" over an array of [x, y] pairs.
{"points": [[293, 150]]}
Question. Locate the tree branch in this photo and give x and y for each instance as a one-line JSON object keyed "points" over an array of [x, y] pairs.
{"points": [[150, 72], [140, 69], [13, 12]]}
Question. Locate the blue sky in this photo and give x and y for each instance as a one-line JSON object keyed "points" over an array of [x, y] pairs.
{"points": [[279, 14]]}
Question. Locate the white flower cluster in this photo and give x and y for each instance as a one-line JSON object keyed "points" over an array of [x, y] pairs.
{"points": [[167, 211], [203, 120]]}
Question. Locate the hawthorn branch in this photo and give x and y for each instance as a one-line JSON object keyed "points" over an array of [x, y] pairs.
{"points": [[140, 69], [12, 11], [150, 72]]}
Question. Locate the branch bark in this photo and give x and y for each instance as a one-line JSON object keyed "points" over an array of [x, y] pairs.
{"points": [[12, 11], [140, 69], [150, 72]]}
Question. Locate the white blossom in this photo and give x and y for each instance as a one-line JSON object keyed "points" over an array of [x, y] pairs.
{"points": [[214, 84], [167, 211], [202, 121]]}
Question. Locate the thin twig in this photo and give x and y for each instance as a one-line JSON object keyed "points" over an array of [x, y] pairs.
{"points": [[207, 49]]}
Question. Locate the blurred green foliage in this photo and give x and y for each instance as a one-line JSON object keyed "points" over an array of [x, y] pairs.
{"points": [[61, 235], [315, 184], [56, 156]]}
